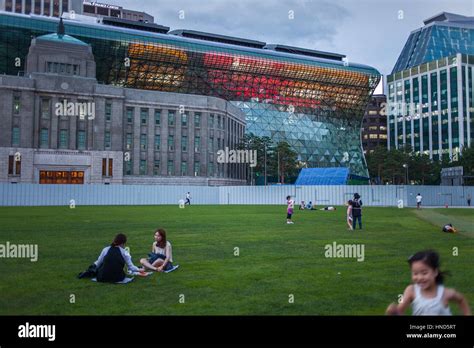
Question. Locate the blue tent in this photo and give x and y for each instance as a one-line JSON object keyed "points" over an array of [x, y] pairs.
{"points": [[323, 176]]}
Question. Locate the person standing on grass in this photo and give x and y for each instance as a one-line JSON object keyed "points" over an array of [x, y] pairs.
{"points": [[418, 201], [468, 199], [188, 199], [349, 215], [289, 210], [112, 260], [427, 295], [356, 211], [161, 256]]}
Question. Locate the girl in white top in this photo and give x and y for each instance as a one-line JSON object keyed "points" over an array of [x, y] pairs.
{"points": [[427, 295], [349, 215], [161, 257]]}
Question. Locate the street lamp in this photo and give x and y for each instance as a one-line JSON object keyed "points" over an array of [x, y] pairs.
{"points": [[406, 178]]}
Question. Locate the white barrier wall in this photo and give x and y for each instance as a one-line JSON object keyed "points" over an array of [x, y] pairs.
{"points": [[44, 195]]}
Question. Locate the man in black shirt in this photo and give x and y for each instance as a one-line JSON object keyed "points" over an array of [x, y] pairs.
{"points": [[356, 211]]}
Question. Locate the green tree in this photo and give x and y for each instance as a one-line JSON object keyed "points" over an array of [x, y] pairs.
{"points": [[283, 161]]}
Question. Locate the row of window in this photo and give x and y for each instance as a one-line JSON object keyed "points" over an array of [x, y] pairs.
{"points": [[45, 7], [63, 138], [144, 115], [375, 136], [62, 68], [170, 169]]}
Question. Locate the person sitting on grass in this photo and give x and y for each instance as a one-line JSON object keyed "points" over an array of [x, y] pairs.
{"points": [[310, 206], [427, 294], [161, 256], [302, 206], [449, 229], [112, 260]]}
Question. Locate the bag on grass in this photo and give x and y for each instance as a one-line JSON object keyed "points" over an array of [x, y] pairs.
{"points": [[91, 272]]}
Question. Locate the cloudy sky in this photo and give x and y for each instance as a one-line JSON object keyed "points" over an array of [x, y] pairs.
{"points": [[371, 32]]}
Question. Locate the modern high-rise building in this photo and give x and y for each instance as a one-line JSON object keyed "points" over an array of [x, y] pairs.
{"points": [[431, 91], [374, 125], [313, 100], [50, 8]]}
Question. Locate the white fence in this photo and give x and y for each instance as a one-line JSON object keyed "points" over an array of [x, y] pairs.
{"points": [[46, 195]]}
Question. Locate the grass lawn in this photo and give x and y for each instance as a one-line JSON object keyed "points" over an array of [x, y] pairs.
{"points": [[275, 260]]}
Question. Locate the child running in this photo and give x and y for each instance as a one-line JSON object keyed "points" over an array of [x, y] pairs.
{"points": [[349, 215], [427, 295], [289, 211]]}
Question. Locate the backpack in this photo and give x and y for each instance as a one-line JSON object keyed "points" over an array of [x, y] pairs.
{"points": [[91, 272]]}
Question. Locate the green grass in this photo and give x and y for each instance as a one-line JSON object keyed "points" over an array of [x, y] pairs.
{"points": [[275, 260]]}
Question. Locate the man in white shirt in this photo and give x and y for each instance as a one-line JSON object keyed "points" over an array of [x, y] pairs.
{"points": [[418, 201], [188, 199]]}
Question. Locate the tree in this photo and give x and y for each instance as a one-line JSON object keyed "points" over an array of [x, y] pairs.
{"points": [[284, 161]]}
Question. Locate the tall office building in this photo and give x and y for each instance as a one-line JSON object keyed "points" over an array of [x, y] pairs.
{"points": [[374, 125], [50, 8], [430, 90]]}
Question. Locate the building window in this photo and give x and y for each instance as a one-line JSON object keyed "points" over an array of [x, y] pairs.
{"points": [[9, 5], [104, 166], [129, 115], [16, 105], [170, 118], [107, 140], [16, 136], [211, 121], [210, 169], [184, 144], [156, 168], [45, 108], [373, 136], [184, 168], [382, 136], [170, 167], [197, 120], [81, 140], [111, 167], [47, 7], [65, 6], [171, 143], [56, 8], [128, 167], [44, 138], [157, 142], [14, 165], [373, 128], [143, 141], [197, 144], [63, 139], [18, 7], [128, 141], [197, 168], [143, 115], [218, 121], [108, 111], [89, 9], [184, 120], [27, 6], [38, 7], [157, 117], [211, 144], [142, 167]]}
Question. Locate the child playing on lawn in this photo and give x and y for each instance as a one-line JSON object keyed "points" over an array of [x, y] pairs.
{"points": [[289, 210], [427, 295], [349, 214]]}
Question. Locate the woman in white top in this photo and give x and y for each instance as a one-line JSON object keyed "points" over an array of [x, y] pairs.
{"points": [[427, 295], [161, 256], [349, 215]]}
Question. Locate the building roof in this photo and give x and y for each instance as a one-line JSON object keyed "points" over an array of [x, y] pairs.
{"points": [[217, 38], [448, 17], [61, 39], [305, 52]]}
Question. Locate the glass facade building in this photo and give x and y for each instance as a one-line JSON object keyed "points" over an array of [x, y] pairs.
{"points": [[313, 100], [430, 91]]}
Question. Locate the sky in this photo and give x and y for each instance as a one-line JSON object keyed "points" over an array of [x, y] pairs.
{"points": [[371, 32]]}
